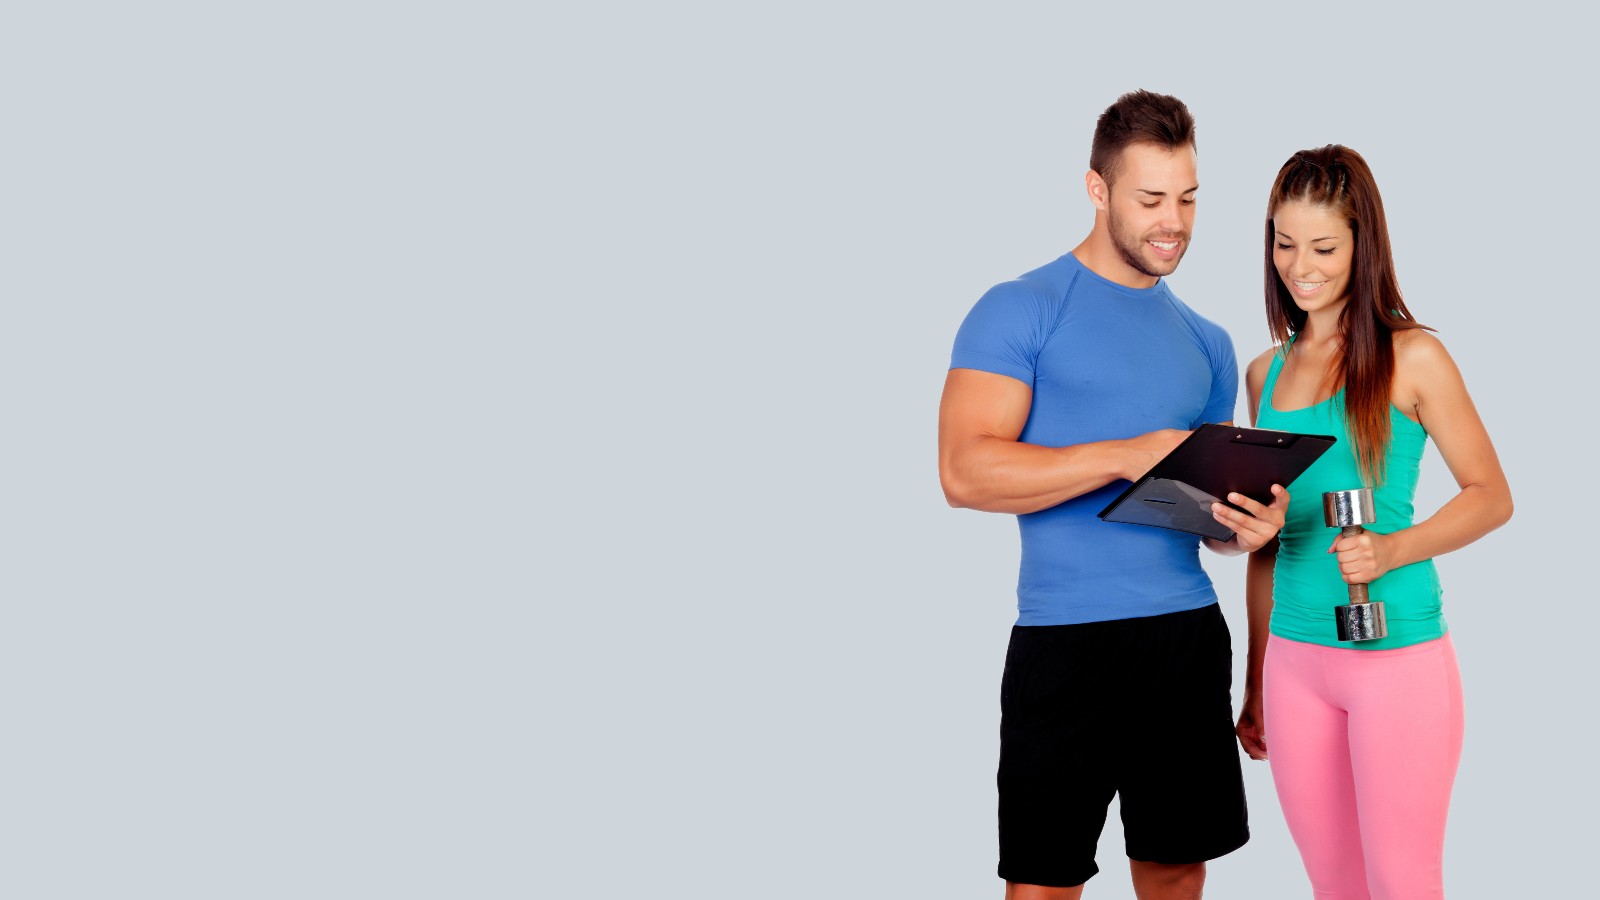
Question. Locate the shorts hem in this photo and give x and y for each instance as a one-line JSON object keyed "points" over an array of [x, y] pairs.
{"points": [[1060, 878], [1213, 851]]}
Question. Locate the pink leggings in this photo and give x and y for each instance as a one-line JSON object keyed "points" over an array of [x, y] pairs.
{"points": [[1364, 746]]}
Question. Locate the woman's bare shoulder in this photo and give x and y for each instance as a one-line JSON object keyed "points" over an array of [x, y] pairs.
{"points": [[1255, 374], [1416, 348]]}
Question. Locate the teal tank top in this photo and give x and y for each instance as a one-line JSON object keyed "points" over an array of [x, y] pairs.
{"points": [[1306, 585]]}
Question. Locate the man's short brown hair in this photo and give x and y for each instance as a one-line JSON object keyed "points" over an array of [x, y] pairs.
{"points": [[1139, 117]]}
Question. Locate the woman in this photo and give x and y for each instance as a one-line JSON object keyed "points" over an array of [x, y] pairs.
{"points": [[1365, 736]]}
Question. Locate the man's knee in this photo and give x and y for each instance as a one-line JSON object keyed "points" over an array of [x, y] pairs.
{"points": [[1158, 881], [1016, 891]]}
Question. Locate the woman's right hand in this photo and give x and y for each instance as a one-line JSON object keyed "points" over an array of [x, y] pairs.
{"points": [[1252, 727]]}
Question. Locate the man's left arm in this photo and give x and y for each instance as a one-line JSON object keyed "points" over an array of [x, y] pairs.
{"points": [[1250, 532], [1261, 525]]}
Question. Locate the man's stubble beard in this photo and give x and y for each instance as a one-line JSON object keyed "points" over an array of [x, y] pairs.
{"points": [[1131, 249]]}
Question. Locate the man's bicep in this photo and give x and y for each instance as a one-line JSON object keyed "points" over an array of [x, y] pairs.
{"points": [[1224, 394], [982, 404]]}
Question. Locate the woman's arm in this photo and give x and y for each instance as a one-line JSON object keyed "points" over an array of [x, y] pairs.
{"points": [[1252, 729], [1428, 382]]}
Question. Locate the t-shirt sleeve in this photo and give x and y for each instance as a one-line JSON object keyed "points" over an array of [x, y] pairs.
{"points": [[1004, 332], [1224, 377]]}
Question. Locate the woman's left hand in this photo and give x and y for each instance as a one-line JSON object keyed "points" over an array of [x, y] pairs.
{"points": [[1364, 557]]}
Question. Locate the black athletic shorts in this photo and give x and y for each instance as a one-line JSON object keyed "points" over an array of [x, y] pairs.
{"points": [[1135, 707]]}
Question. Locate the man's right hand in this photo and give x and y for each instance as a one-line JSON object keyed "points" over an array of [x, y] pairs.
{"points": [[1144, 451]]}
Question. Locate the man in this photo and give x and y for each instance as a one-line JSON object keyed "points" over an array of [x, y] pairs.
{"points": [[1064, 385]]}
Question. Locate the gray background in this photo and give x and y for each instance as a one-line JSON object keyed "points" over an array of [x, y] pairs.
{"points": [[467, 451]]}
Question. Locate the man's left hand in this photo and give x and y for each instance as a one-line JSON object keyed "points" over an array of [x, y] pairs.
{"points": [[1256, 530]]}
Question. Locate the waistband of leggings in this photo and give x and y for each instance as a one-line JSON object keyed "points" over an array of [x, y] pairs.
{"points": [[1292, 646]]}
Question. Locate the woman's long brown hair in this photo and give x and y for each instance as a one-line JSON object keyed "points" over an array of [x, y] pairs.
{"points": [[1337, 178]]}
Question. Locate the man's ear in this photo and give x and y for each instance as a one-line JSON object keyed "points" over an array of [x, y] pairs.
{"points": [[1099, 190]]}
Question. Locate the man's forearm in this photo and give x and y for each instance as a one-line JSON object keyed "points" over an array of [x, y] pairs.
{"points": [[996, 475], [1222, 548]]}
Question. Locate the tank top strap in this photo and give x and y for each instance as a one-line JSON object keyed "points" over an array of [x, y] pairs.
{"points": [[1272, 374]]}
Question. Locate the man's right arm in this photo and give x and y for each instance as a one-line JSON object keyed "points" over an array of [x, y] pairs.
{"points": [[983, 466]]}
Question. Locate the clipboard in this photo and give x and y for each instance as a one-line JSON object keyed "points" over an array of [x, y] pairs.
{"points": [[1215, 460]]}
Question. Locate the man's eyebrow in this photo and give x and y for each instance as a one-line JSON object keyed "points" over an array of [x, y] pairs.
{"points": [[1164, 193]]}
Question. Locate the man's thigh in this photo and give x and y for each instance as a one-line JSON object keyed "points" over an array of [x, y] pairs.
{"points": [[1056, 780], [1182, 788]]}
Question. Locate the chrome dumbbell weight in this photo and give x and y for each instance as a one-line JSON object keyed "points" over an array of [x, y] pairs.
{"points": [[1362, 619]]}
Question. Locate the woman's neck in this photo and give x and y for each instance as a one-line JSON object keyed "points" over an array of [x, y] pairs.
{"points": [[1321, 329]]}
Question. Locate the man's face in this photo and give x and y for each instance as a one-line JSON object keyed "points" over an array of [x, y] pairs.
{"points": [[1150, 210]]}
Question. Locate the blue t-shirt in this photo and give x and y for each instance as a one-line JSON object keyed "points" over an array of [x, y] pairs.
{"points": [[1104, 362]]}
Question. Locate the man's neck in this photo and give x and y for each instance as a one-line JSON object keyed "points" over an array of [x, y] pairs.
{"points": [[1099, 255]]}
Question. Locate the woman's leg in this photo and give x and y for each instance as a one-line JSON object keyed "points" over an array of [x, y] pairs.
{"points": [[1405, 737], [1308, 746]]}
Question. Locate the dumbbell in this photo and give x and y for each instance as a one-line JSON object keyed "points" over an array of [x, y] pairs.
{"points": [[1362, 619]]}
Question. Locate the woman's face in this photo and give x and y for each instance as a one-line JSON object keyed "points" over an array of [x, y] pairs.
{"points": [[1312, 249]]}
